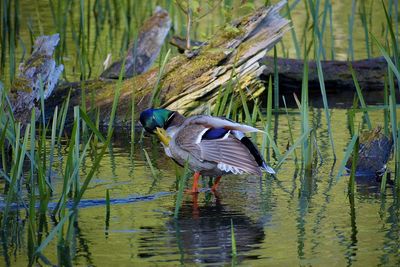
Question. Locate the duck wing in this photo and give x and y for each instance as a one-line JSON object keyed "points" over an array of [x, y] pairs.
{"points": [[220, 122], [219, 145]]}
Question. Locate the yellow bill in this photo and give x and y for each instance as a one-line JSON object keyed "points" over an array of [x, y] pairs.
{"points": [[163, 136]]}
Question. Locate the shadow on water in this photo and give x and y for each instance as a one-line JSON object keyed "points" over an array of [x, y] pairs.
{"points": [[202, 234]]}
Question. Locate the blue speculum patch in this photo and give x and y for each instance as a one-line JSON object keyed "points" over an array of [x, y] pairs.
{"points": [[214, 133]]}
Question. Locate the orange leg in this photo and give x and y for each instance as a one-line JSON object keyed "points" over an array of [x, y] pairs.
{"points": [[195, 187], [216, 183]]}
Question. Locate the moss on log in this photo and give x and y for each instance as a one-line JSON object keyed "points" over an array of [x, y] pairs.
{"points": [[189, 85]]}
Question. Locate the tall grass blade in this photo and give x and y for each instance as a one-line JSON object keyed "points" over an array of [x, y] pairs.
{"points": [[52, 234], [392, 35], [293, 32], [276, 81], [363, 17], [265, 144], [353, 168], [233, 240], [153, 171], [325, 100], [383, 182], [351, 26], [304, 113], [52, 142], [243, 98], [91, 125], [360, 96], [289, 126], [155, 91], [298, 142], [63, 116], [386, 104], [347, 155], [392, 66], [181, 186], [92, 171], [332, 38], [273, 144], [116, 98]]}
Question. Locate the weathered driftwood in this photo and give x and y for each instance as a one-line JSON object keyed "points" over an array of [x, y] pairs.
{"points": [[234, 51], [144, 50], [38, 72]]}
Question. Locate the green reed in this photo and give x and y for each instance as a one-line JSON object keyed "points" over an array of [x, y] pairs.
{"points": [[360, 96], [289, 127], [181, 180], [108, 203], [233, 241], [265, 144], [393, 71], [386, 104], [154, 172], [220, 108], [16, 137], [293, 32], [347, 155], [332, 38], [10, 21], [4, 30], [324, 99], [304, 108], [154, 99], [383, 182], [351, 185], [276, 81], [350, 52], [243, 98], [364, 22], [116, 98], [133, 115], [61, 122], [314, 9]]}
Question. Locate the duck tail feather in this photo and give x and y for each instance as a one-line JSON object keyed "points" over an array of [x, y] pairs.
{"points": [[268, 168]]}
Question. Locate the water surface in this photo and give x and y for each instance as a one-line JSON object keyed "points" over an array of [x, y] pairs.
{"points": [[293, 219]]}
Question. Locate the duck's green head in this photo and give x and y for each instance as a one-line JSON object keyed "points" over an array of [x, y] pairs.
{"points": [[154, 118]]}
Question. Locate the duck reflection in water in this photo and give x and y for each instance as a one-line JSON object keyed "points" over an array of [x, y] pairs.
{"points": [[203, 232]]}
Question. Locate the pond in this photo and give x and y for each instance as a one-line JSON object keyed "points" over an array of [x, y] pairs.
{"points": [[295, 218]]}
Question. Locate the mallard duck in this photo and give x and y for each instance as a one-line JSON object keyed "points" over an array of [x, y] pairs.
{"points": [[213, 146]]}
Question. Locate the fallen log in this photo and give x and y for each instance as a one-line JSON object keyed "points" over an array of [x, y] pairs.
{"points": [[233, 52], [337, 79], [337, 76], [237, 51]]}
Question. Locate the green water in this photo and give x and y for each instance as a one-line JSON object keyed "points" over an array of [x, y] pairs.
{"points": [[291, 220], [295, 219]]}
